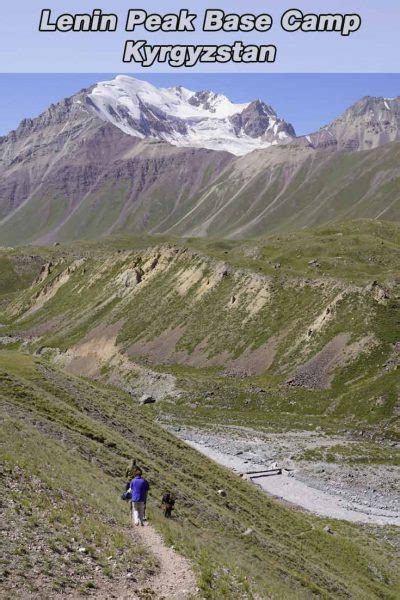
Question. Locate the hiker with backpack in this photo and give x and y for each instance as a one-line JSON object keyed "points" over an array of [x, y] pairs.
{"points": [[139, 489]]}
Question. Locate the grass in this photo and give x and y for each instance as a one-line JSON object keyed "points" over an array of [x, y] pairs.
{"points": [[365, 453], [71, 439], [363, 392], [353, 251], [349, 251], [16, 272], [67, 440]]}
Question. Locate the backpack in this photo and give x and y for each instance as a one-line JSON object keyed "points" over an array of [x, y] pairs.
{"points": [[127, 495]]}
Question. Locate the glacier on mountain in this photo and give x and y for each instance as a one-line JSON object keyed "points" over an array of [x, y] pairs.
{"points": [[183, 117]]}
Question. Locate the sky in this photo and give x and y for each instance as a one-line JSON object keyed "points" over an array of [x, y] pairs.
{"points": [[308, 101], [374, 48]]}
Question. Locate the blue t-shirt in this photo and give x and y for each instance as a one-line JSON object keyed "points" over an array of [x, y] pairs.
{"points": [[139, 489]]}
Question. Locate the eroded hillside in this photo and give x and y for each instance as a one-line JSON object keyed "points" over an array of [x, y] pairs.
{"points": [[279, 348], [316, 339]]}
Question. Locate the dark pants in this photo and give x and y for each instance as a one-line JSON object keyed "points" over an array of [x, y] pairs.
{"points": [[168, 510]]}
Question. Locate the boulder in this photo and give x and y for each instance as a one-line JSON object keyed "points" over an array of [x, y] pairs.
{"points": [[147, 399]]}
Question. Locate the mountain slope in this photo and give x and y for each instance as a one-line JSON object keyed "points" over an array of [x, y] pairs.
{"points": [[369, 123], [158, 188], [319, 321], [211, 323], [66, 446], [105, 181], [95, 164], [291, 187]]}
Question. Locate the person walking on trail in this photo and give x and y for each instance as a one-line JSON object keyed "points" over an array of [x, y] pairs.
{"points": [[168, 503], [139, 490], [130, 472]]}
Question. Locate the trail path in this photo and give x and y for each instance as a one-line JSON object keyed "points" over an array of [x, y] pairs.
{"points": [[175, 579]]}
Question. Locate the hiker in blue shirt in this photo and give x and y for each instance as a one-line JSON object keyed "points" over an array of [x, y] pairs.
{"points": [[139, 490]]}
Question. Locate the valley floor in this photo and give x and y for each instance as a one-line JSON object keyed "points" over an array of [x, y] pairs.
{"points": [[360, 494]]}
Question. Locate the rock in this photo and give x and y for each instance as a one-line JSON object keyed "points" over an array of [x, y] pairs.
{"points": [[379, 293], [371, 286], [82, 550], [221, 493], [381, 401], [154, 262], [327, 529], [139, 275], [391, 364], [248, 531], [147, 399], [313, 263]]}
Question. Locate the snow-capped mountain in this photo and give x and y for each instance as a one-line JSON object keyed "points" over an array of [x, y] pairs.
{"points": [[92, 165], [183, 117]]}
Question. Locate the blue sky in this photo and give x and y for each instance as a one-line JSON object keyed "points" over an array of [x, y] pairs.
{"points": [[308, 101], [374, 48]]}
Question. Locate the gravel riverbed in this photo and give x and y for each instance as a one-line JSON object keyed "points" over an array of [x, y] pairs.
{"points": [[361, 493]]}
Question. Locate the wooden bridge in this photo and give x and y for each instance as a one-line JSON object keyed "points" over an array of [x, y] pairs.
{"points": [[263, 473]]}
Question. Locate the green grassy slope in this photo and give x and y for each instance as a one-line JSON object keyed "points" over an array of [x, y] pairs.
{"points": [[196, 316], [109, 182], [287, 188], [355, 251], [65, 444], [157, 188], [17, 271]]}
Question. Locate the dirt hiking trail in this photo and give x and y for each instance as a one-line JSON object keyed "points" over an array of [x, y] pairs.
{"points": [[175, 579]]}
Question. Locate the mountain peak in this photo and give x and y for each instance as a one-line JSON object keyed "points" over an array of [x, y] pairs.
{"points": [[369, 123], [184, 117]]}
